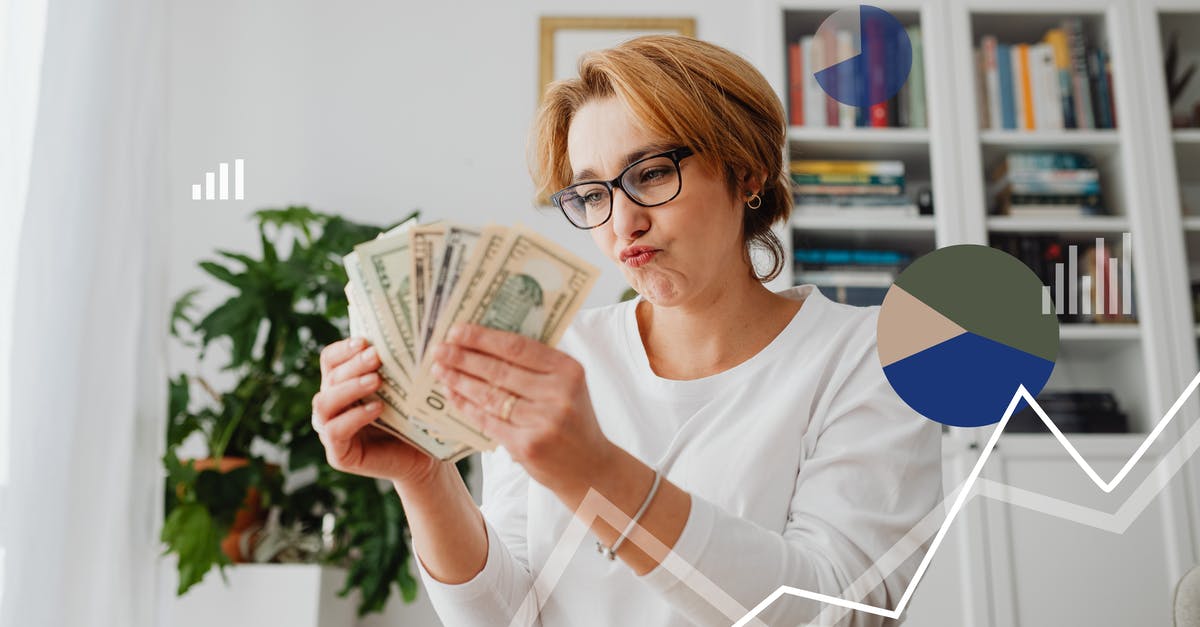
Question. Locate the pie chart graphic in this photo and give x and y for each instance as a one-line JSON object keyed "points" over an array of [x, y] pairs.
{"points": [[960, 329], [880, 56]]}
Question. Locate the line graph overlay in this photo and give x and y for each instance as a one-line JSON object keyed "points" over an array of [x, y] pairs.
{"points": [[596, 506]]}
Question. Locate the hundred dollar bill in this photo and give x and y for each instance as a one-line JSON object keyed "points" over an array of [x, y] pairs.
{"points": [[428, 240], [394, 418], [458, 247], [522, 283]]}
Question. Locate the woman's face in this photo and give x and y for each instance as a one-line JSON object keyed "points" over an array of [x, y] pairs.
{"points": [[692, 244]]}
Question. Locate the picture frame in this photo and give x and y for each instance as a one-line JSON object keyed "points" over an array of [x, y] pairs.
{"points": [[564, 38]]}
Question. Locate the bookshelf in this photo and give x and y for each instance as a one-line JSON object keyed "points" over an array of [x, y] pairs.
{"points": [[1149, 174]]}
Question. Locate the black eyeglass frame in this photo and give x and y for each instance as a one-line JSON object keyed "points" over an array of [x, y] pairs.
{"points": [[676, 155]]}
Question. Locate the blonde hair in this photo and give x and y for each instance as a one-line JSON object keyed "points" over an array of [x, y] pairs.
{"points": [[688, 91]]}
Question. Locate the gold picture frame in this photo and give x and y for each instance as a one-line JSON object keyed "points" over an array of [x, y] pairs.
{"points": [[618, 28]]}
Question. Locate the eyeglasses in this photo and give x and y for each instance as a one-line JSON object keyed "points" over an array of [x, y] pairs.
{"points": [[649, 182]]}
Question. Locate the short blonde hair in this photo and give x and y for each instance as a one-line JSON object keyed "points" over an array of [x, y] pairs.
{"points": [[688, 91]]}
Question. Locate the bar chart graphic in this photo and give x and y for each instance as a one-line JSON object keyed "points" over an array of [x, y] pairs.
{"points": [[1097, 293], [216, 184]]}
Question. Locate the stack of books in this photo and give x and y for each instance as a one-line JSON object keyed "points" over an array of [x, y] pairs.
{"points": [[869, 188], [1057, 83], [850, 275], [809, 105], [1045, 184], [1072, 412]]}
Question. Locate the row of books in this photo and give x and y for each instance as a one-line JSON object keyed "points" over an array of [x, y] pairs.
{"points": [[854, 276], [1045, 184], [1057, 83], [809, 105], [843, 187]]}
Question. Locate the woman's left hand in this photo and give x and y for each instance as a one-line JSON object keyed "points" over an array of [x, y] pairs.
{"points": [[551, 428]]}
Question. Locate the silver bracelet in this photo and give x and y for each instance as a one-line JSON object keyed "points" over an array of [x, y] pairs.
{"points": [[611, 552]]}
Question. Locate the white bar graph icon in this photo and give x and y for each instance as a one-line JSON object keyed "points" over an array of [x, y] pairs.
{"points": [[215, 187], [1102, 282]]}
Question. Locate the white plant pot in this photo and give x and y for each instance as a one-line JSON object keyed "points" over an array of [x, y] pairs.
{"points": [[296, 595]]}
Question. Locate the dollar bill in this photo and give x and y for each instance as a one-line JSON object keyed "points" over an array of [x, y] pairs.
{"points": [[428, 241], [395, 416], [383, 266], [517, 281], [459, 244]]}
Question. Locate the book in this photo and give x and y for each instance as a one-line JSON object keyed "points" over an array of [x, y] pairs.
{"points": [[1057, 38], [1004, 69], [991, 74], [916, 80], [814, 103], [795, 85], [1080, 89], [846, 166]]}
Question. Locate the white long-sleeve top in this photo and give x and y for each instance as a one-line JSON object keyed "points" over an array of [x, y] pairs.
{"points": [[803, 466]]}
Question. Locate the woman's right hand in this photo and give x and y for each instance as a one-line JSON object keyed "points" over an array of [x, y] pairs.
{"points": [[348, 375]]}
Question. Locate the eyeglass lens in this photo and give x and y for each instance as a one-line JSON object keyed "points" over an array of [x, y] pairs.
{"points": [[650, 182]]}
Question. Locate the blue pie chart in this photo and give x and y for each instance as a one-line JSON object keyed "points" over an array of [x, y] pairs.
{"points": [[882, 61]]}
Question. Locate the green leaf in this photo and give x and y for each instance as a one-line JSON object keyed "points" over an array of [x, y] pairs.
{"points": [[192, 534], [179, 311]]}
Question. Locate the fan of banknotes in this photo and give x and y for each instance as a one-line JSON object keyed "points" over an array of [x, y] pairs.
{"points": [[412, 283]]}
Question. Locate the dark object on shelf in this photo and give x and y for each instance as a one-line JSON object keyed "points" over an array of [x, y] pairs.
{"points": [[1072, 412], [925, 200], [1176, 83]]}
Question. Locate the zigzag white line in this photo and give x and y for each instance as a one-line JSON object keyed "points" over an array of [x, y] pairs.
{"points": [[1053, 507], [595, 505]]}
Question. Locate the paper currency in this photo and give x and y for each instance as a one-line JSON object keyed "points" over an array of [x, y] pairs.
{"points": [[411, 284]]}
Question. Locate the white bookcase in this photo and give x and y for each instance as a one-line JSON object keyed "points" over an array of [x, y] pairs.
{"points": [[1003, 565]]}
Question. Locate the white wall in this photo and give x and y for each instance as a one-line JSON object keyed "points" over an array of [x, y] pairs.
{"points": [[370, 109]]}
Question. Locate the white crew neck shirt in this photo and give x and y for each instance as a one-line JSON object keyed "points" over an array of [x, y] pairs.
{"points": [[803, 465]]}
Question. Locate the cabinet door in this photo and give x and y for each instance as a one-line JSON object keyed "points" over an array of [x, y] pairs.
{"points": [[954, 589], [1051, 570]]}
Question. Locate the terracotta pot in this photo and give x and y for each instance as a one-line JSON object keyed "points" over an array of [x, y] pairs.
{"points": [[249, 515]]}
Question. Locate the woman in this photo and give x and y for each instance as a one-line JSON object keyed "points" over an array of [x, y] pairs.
{"points": [[750, 434]]}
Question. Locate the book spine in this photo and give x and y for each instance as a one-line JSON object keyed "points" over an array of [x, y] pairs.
{"points": [[1057, 38], [1080, 91], [1050, 92], [1097, 76], [916, 80], [830, 45], [1008, 110], [992, 80], [845, 72], [1028, 115], [795, 85], [814, 103], [881, 168]]}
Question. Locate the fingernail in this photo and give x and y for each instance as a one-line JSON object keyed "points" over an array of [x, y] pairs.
{"points": [[456, 333], [366, 379], [373, 406], [437, 370], [357, 342], [439, 351], [369, 355]]}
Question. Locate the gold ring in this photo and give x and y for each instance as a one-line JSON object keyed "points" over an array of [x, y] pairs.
{"points": [[507, 407]]}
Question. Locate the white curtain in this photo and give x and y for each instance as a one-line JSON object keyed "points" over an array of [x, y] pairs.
{"points": [[87, 378]]}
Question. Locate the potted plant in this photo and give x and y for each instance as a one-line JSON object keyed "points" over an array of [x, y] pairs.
{"points": [[285, 307]]}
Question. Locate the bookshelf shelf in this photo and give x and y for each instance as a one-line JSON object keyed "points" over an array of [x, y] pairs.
{"points": [[915, 137], [1100, 225], [844, 223], [1191, 223], [1186, 136], [1070, 139], [1075, 332]]}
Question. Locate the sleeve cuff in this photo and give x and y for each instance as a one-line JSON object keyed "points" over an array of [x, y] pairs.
{"points": [[693, 540], [481, 583]]}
